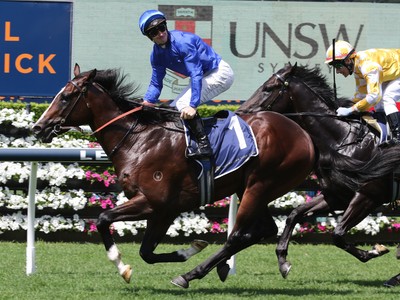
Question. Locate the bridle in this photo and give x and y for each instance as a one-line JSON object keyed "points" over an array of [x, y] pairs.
{"points": [[58, 128], [82, 92], [285, 88]]}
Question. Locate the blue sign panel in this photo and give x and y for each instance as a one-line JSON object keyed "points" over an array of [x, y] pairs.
{"points": [[35, 47]]}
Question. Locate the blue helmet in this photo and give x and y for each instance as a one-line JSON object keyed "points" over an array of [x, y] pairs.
{"points": [[147, 17]]}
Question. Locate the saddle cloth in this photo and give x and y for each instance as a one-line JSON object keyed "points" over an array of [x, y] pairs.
{"points": [[231, 139]]}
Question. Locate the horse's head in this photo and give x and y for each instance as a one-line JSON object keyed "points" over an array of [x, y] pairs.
{"points": [[68, 109], [272, 95], [293, 89]]}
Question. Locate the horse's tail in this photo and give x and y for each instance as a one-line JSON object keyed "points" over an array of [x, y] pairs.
{"points": [[353, 173]]}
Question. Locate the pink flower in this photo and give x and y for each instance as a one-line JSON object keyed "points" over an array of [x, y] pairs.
{"points": [[308, 198], [215, 228], [321, 227], [93, 145], [92, 227], [93, 199]]}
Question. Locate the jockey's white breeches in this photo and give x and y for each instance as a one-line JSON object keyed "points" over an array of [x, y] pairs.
{"points": [[214, 83], [390, 95]]}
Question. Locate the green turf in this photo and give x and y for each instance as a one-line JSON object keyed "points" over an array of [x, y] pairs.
{"points": [[82, 271]]}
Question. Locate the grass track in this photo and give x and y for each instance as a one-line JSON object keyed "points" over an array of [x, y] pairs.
{"points": [[82, 271]]}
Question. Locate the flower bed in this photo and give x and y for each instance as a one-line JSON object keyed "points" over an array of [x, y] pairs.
{"points": [[70, 197]]}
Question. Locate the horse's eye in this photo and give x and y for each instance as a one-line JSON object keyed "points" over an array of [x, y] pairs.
{"points": [[268, 88], [64, 98]]}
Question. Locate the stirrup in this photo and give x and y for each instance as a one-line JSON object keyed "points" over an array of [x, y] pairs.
{"points": [[204, 153]]}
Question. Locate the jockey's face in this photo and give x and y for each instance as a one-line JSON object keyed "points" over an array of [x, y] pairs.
{"points": [[161, 38], [343, 68], [159, 34]]}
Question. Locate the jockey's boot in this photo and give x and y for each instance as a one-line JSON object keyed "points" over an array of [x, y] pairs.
{"points": [[394, 124], [203, 144]]}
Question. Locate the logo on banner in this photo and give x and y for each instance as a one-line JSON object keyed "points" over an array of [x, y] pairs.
{"points": [[189, 18]]}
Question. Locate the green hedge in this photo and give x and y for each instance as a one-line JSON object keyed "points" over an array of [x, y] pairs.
{"points": [[38, 109]]}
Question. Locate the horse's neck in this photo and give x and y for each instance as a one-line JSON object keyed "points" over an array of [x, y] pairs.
{"points": [[128, 140], [253, 104], [323, 126]]}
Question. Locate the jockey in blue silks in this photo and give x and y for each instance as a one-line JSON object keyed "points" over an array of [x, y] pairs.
{"points": [[187, 54]]}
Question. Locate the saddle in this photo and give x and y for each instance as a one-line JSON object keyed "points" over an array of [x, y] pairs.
{"points": [[377, 122], [233, 144]]}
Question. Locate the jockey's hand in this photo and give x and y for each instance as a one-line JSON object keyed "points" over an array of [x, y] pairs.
{"points": [[147, 103], [344, 111], [188, 113]]}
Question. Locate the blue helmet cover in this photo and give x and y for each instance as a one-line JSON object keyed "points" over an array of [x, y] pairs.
{"points": [[148, 16]]}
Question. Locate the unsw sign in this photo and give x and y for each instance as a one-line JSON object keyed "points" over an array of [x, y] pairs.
{"points": [[35, 47]]}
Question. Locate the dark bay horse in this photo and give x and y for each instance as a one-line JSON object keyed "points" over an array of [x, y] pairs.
{"points": [[147, 148], [355, 174]]}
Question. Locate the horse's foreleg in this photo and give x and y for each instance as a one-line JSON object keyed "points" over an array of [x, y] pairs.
{"points": [[317, 204], [359, 208], [113, 254], [155, 231]]}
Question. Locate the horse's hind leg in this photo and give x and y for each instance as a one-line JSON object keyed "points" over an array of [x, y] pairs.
{"points": [[392, 282], [359, 208], [237, 241], [318, 204]]}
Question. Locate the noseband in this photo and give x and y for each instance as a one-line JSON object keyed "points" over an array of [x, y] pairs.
{"points": [[82, 92]]}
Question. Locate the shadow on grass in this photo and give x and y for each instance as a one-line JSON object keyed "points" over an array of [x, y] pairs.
{"points": [[370, 283], [243, 292]]}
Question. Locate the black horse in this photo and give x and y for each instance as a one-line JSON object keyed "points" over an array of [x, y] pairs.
{"points": [[355, 174]]}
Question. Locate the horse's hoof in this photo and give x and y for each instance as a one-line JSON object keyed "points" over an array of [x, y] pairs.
{"points": [[392, 282], [199, 245], [223, 272], [127, 274], [379, 250], [181, 282], [285, 269]]}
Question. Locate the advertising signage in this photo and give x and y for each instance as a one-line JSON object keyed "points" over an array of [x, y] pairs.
{"points": [[35, 47]]}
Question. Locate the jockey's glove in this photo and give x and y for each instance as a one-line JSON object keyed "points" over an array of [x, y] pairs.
{"points": [[344, 111]]}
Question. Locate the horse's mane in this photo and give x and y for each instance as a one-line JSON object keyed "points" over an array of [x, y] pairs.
{"points": [[125, 96], [319, 84]]}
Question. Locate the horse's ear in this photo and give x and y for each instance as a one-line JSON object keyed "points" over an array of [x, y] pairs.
{"points": [[77, 70], [294, 67], [92, 75]]}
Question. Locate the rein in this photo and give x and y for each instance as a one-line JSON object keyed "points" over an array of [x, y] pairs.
{"points": [[82, 94], [285, 86], [117, 118]]}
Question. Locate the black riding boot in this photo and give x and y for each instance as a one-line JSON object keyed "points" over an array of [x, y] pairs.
{"points": [[394, 124], [203, 144]]}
